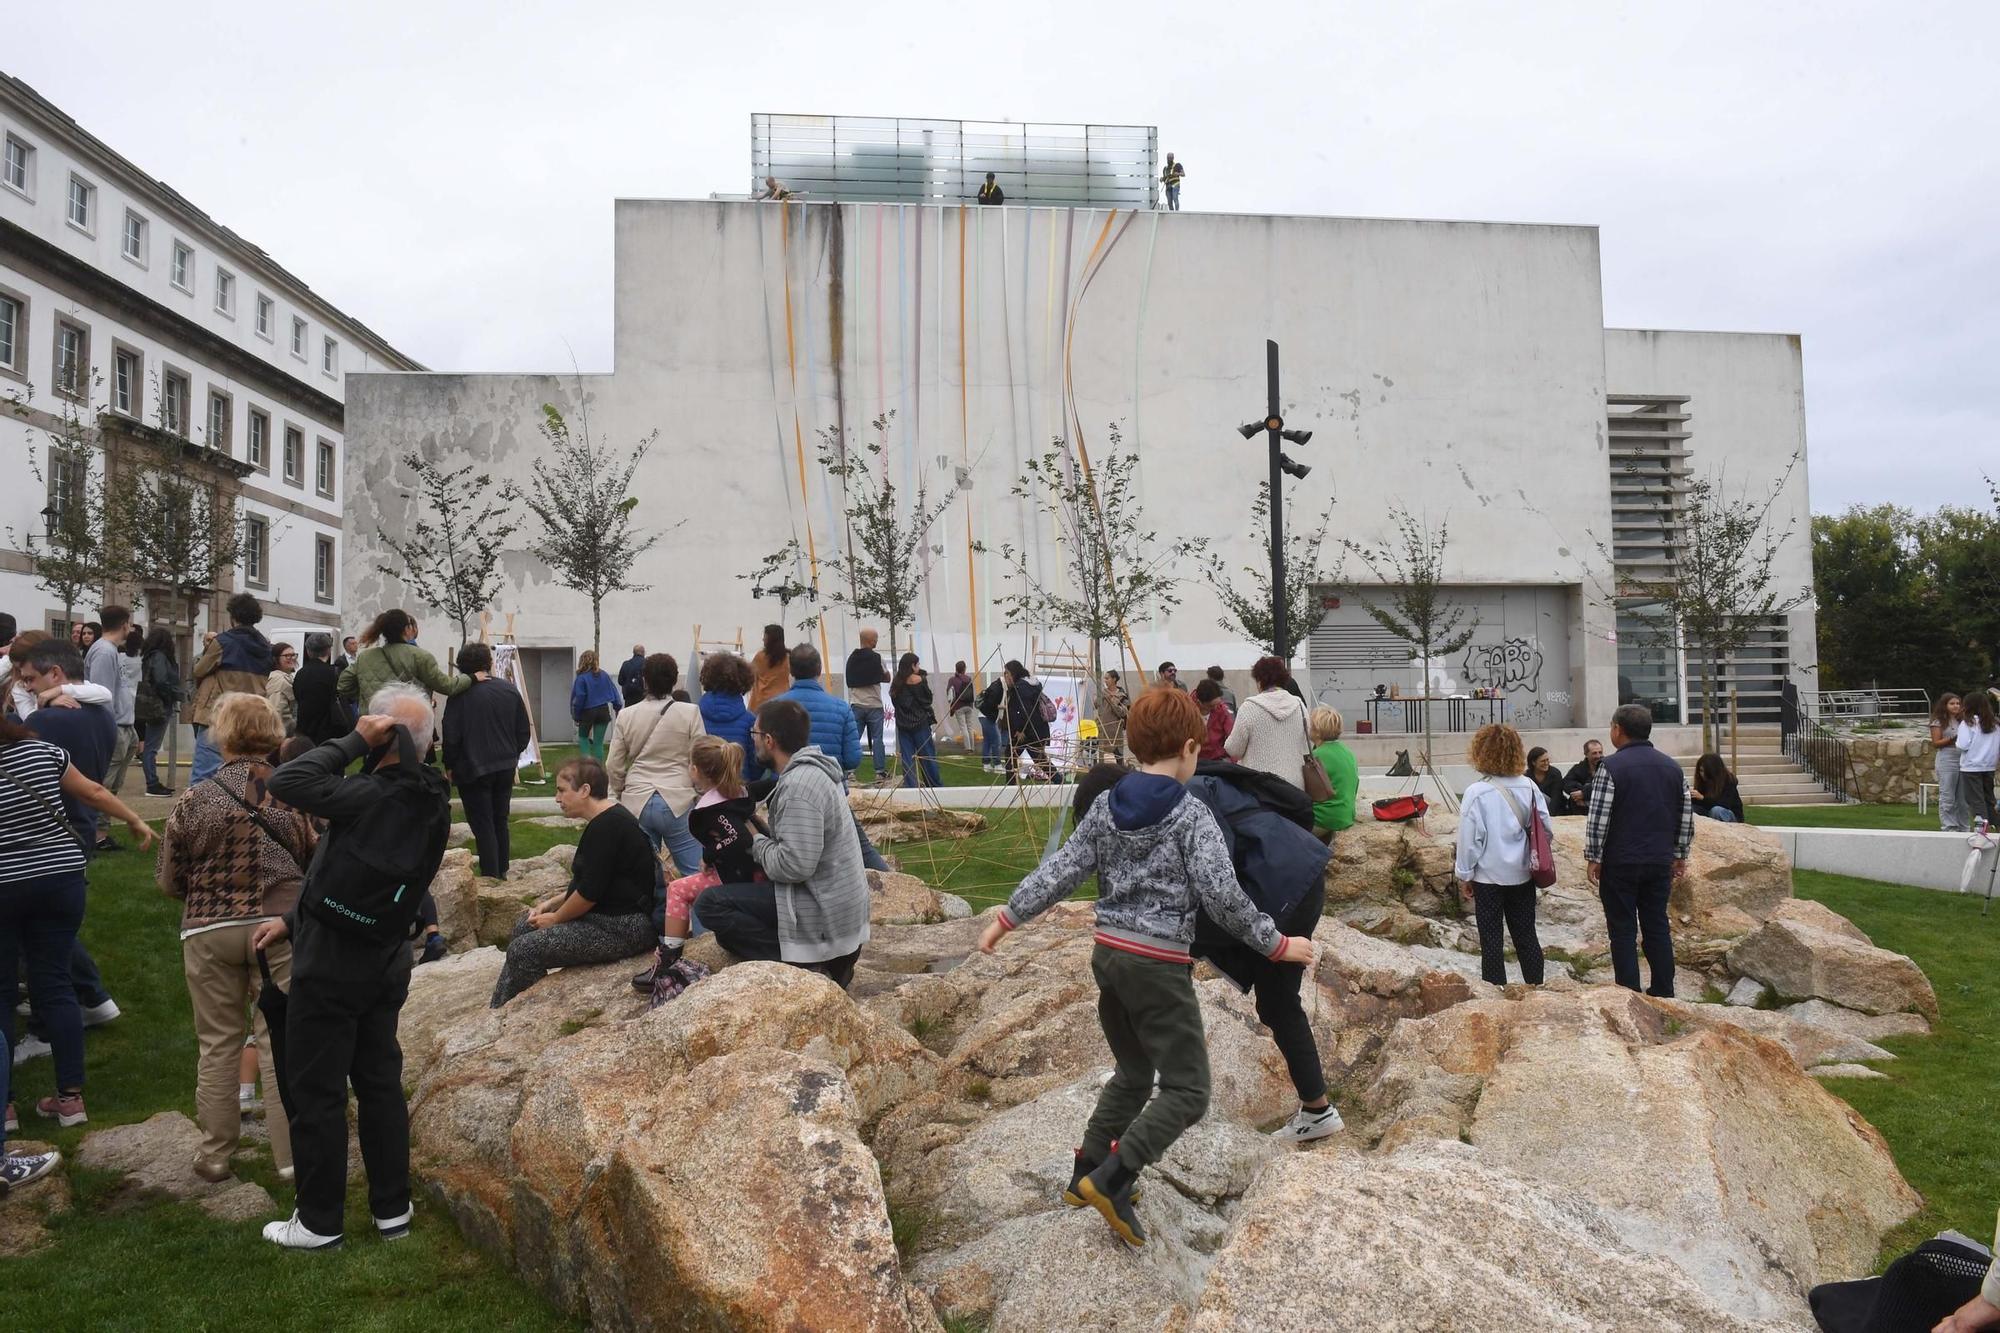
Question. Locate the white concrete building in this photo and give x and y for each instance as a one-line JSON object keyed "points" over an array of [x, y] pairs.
{"points": [[1460, 370], [122, 300]]}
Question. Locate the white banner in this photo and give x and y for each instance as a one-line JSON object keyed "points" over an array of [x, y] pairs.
{"points": [[507, 667]]}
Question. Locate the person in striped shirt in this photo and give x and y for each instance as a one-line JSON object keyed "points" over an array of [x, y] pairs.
{"points": [[1157, 853]]}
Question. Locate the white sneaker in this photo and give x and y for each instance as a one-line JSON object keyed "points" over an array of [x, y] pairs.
{"points": [[395, 1228], [292, 1235], [30, 1048], [1305, 1126], [97, 1015]]}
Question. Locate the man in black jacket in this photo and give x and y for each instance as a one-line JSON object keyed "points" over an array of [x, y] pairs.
{"points": [[347, 993], [866, 675], [1636, 843], [485, 731], [1581, 777], [322, 716], [632, 676]]}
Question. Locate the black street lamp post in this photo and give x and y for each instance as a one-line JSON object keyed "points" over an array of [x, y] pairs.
{"points": [[1273, 425]]}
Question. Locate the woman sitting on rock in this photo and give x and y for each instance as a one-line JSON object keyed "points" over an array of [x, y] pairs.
{"points": [[607, 912]]}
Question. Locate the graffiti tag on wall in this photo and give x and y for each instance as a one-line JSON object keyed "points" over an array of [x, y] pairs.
{"points": [[1515, 665]]}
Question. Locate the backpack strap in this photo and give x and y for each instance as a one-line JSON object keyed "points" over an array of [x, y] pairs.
{"points": [[60, 819]]}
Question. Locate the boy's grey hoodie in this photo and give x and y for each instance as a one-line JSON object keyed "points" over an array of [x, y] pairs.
{"points": [[813, 858], [1157, 853]]}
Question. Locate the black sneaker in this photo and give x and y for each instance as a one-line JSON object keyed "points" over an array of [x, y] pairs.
{"points": [[104, 845], [159, 791], [434, 949], [1108, 1189]]}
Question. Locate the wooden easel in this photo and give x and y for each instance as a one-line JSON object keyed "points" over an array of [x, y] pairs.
{"points": [[520, 682]]}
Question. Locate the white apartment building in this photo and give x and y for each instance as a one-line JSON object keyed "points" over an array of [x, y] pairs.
{"points": [[123, 302]]}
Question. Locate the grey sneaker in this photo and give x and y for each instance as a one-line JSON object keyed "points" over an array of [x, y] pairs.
{"points": [[1305, 1126], [30, 1048]]}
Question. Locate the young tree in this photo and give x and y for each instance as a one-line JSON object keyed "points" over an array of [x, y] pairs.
{"points": [[785, 575], [1720, 594], [880, 574], [1407, 597], [449, 554], [68, 555], [1115, 571], [176, 525], [1246, 604], [580, 493]]}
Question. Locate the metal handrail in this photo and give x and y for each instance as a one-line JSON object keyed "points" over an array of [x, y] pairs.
{"points": [[1871, 702], [1815, 748]]}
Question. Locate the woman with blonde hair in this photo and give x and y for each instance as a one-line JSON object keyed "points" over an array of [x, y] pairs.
{"points": [[594, 700], [1493, 852], [1343, 773], [235, 858]]}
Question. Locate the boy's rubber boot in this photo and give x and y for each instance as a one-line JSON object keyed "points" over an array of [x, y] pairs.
{"points": [[1082, 1167], [1108, 1189]]}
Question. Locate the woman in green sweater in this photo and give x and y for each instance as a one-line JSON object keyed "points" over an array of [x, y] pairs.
{"points": [[1342, 771], [390, 653]]}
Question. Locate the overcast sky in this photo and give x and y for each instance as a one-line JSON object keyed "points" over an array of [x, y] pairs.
{"points": [[445, 172]]}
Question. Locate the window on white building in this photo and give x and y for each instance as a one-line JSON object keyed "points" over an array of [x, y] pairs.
{"points": [[323, 469], [323, 569], [135, 237], [329, 357], [225, 292], [260, 440], [182, 274], [72, 366], [17, 168], [68, 471], [295, 449], [124, 380], [266, 312], [174, 395], [218, 421], [256, 549], [13, 321], [82, 203], [298, 338]]}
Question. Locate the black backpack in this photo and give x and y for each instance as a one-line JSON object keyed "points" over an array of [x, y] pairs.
{"points": [[372, 873]]}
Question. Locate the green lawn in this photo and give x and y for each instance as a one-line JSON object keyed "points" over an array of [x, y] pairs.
{"points": [[1936, 1105], [1843, 816]]}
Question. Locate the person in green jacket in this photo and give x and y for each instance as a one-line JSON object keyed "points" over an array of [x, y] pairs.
{"points": [[1343, 772], [390, 653]]}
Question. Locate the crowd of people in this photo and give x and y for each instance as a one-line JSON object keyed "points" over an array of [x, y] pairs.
{"points": [[292, 869], [1965, 739]]}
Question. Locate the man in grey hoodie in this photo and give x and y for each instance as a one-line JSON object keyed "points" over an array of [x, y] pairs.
{"points": [[812, 912]]}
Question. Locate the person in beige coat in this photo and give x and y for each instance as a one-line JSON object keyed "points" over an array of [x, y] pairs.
{"points": [[652, 743], [278, 687], [1270, 733]]}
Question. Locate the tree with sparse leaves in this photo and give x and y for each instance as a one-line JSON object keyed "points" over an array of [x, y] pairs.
{"points": [[1407, 597], [1719, 593], [1115, 572], [880, 574], [68, 555], [580, 492], [1247, 603], [449, 553]]}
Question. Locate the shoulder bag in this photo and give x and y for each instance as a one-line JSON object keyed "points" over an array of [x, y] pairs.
{"points": [[1312, 773], [1541, 855], [51, 811], [257, 818]]}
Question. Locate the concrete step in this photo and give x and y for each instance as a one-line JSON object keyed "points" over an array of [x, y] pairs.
{"points": [[1761, 764], [1817, 798]]}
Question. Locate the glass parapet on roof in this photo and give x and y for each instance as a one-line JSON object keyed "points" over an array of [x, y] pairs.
{"points": [[874, 159]]}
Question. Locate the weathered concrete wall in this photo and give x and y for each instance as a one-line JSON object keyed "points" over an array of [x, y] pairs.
{"points": [[1456, 369]]}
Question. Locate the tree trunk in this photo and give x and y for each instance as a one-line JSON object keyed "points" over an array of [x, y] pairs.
{"points": [[1424, 692], [597, 626]]}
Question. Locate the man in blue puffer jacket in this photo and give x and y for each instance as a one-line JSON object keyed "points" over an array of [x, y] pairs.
{"points": [[834, 731]]}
